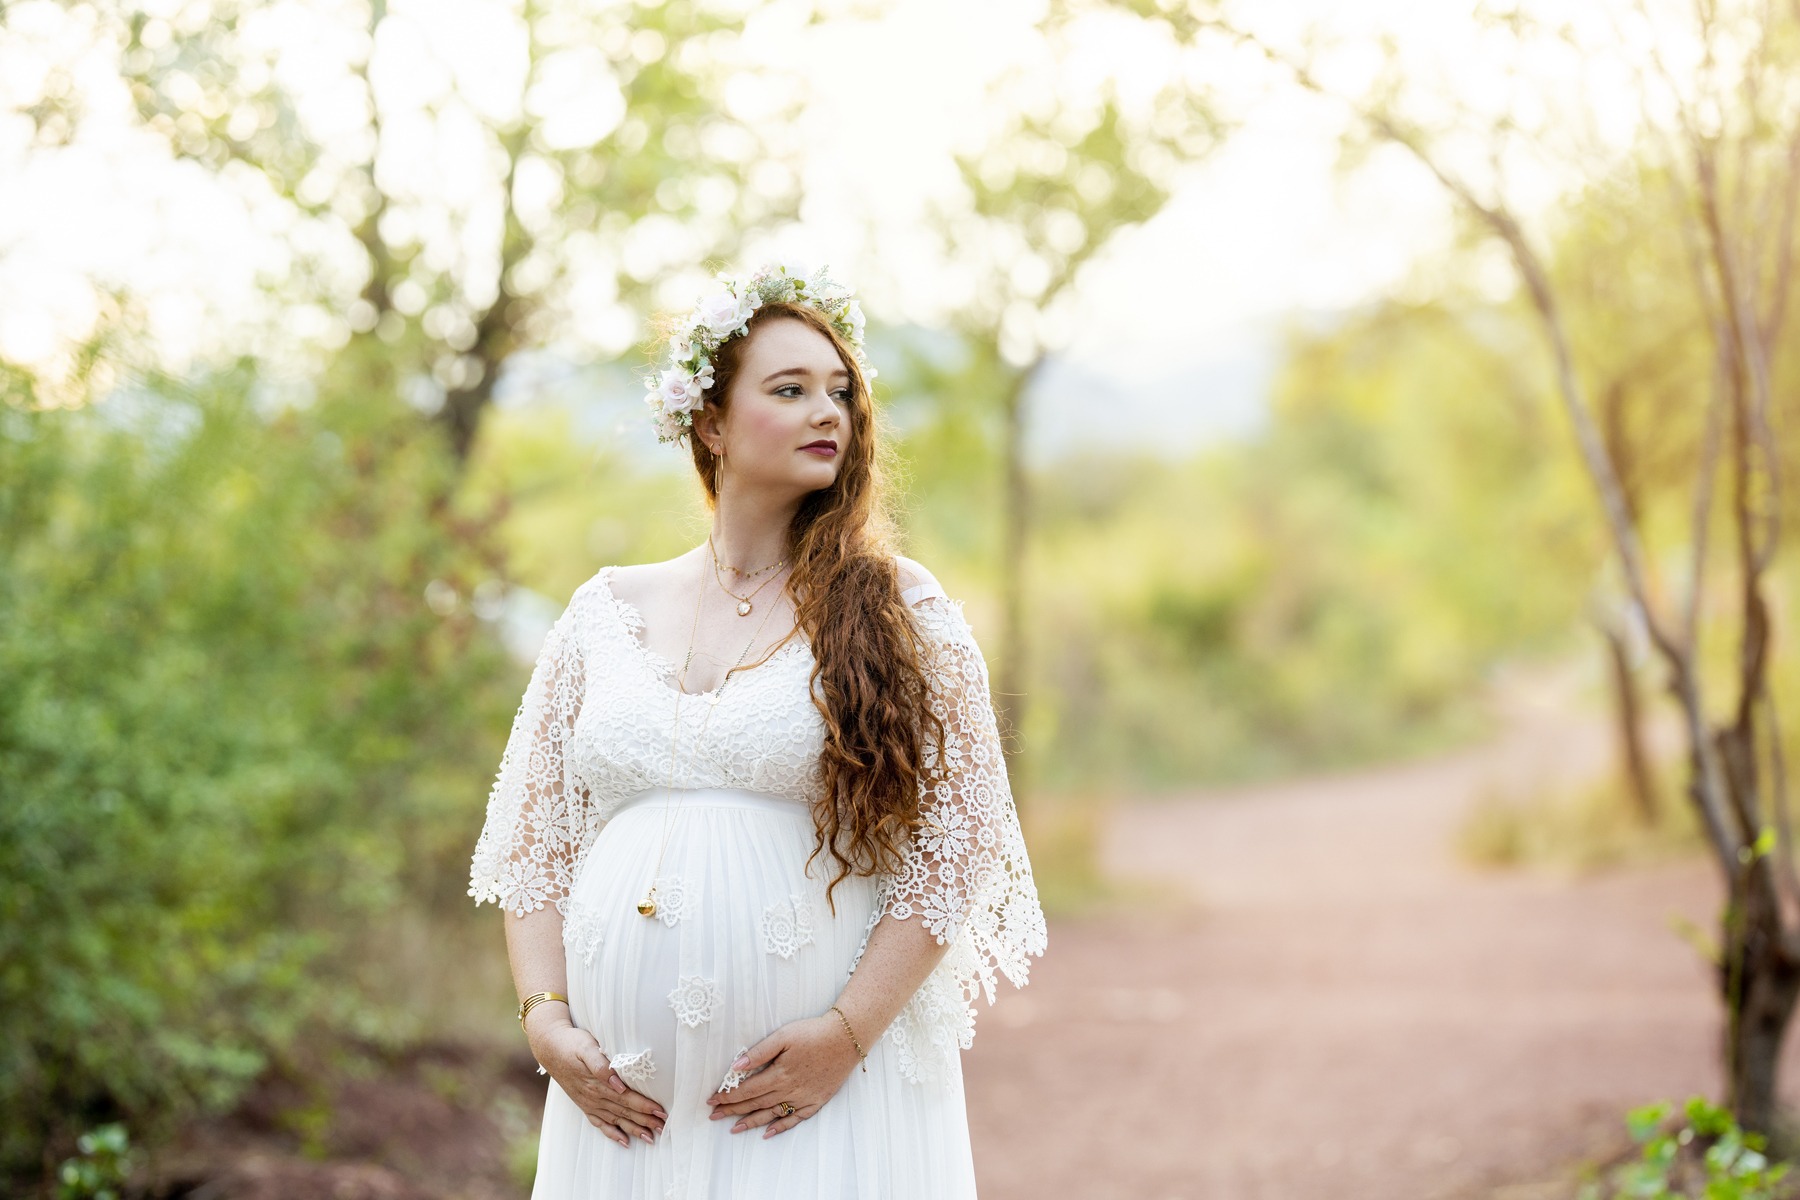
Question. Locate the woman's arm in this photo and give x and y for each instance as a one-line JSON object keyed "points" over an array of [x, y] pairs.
{"points": [[899, 957], [525, 862], [569, 1055], [534, 949]]}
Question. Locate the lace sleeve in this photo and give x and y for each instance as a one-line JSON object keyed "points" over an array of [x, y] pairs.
{"points": [[536, 813], [966, 873]]}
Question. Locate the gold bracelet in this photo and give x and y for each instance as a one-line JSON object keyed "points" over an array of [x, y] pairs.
{"points": [[860, 1053], [532, 1001]]}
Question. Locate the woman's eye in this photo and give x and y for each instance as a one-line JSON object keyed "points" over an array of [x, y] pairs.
{"points": [[794, 391]]}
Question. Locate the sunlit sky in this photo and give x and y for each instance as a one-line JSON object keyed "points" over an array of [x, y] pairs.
{"points": [[1181, 307]]}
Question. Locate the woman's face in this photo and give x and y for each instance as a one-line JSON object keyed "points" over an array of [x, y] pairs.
{"points": [[787, 418]]}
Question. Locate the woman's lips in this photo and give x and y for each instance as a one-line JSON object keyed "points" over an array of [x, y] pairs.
{"points": [[822, 451]]}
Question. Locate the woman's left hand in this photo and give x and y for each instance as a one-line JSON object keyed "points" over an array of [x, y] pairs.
{"points": [[807, 1062]]}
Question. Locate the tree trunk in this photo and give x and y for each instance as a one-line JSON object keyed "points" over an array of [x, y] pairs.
{"points": [[1759, 969], [1761, 981], [1629, 708]]}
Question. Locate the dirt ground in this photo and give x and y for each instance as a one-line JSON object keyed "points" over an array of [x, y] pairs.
{"points": [[1339, 1009]]}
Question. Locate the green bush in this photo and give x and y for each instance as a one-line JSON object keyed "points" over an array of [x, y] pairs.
{"points": [[100, 1170], [1707, 1157], [233, 731]]}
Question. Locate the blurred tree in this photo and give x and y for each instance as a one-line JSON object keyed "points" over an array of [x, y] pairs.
{"points": [[1069, 155], [502, 185], [572, 506], [246, 685], [1718, 153], [1346, 578], [1622, 269]]}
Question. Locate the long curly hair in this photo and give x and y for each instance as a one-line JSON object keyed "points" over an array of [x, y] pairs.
{"points": [[870, 678]]}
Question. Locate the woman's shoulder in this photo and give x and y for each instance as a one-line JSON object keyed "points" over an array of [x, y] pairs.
{"points": [[591, 589], [629, 583], [916, 583], [609, 594], [937, 614]]}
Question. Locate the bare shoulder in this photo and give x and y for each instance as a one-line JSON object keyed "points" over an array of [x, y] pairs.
{"points": [[647, 585], [916, 582]]}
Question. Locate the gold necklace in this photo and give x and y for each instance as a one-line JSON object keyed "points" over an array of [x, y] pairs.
{"points": [[647, 906], [739, 572], [744, 605]]}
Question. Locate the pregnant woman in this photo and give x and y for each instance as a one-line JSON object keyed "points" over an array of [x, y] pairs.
{"points": [[752, 831]]}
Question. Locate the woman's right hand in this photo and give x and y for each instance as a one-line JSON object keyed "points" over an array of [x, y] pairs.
{"points": [[574, 1059]]}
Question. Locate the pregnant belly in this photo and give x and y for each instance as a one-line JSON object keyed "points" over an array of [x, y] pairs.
{"points": [[741, 942]]}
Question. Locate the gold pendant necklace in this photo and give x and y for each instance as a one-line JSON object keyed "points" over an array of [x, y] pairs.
{"points": [[647, 906], [744, 606]]}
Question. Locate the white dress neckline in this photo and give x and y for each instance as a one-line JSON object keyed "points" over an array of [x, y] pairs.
{"points": [[632, 627]]}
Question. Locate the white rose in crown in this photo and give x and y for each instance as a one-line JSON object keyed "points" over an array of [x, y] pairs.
{"points": [[723, 314], [681, 393]]}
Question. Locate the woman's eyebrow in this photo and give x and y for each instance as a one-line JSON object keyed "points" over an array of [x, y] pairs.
{"points": [[801, 371]]}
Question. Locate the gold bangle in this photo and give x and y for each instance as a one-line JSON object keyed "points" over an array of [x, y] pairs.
{"points": [[861, 1054], [532, 1001]]}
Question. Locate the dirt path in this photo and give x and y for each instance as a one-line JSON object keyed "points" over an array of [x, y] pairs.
{"points": [[1340, 1010]]}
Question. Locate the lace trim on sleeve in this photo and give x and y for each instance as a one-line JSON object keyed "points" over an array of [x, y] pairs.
{"points": [[536, 827], [966, 873]]}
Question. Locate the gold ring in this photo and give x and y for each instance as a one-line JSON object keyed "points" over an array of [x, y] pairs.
{"points": [[785, 1109]]}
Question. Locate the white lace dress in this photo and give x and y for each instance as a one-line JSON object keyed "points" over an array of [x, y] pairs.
{"points": [[742, 941]]}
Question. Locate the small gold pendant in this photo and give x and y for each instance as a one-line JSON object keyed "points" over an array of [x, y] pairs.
{"points": [[647, 906], [743, 608]]}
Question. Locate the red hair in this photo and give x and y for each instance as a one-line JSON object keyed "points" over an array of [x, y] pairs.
{"points": [[869, 658]]}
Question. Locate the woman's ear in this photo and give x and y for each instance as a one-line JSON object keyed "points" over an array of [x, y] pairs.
{"points": [[706, 426]]}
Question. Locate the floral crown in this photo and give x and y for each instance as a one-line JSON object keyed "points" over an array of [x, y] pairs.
{"points": [[677, 389]]}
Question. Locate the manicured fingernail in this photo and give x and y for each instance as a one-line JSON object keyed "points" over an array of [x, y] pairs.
{"points": [[618, 1085], [739, 1128], [739, 1063]]}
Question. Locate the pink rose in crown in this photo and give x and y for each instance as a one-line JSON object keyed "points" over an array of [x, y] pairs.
{"points": [[680, 393]]}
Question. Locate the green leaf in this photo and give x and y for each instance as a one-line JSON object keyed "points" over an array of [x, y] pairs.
{"points": [[1708, 1119], [1643, 1122]]}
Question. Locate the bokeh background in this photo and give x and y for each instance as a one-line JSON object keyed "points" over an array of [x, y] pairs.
{"points": [[1358, 432]]}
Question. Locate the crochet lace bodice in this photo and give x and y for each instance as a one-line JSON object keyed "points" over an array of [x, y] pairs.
{"points": [[595, 727]]}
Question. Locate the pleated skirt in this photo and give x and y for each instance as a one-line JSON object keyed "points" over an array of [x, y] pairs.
{"points": [[742, 943]]}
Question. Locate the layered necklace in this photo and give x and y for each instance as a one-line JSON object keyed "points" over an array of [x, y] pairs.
{"points": [[744, 606], [647, 906]]}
